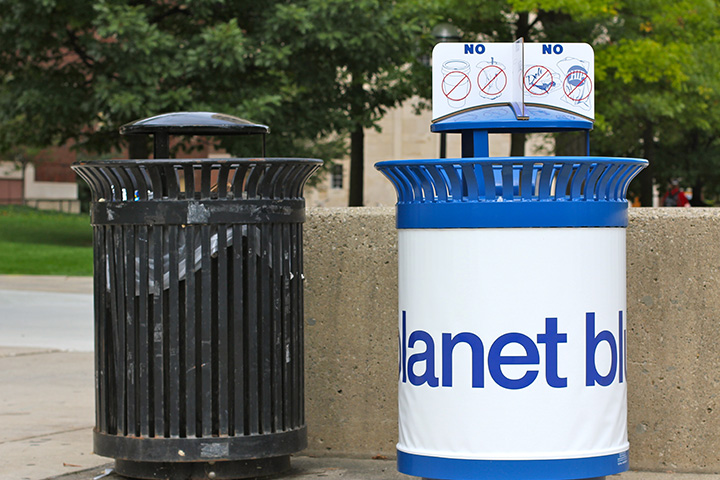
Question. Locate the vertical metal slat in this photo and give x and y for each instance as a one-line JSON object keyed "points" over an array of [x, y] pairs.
{"points": [[101, 345], [265, 323], [158, 335], [223, 332], [112, 337], [300, 381], [205, 403], [251, 319], [288, 345], [130, 329], [278, 362], [237, 344], [119, 326], [296, 319], [190, 367], [144, 337], [173, 342]]}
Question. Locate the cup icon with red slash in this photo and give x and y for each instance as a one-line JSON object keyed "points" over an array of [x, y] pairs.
{"points": [[456, 84]]}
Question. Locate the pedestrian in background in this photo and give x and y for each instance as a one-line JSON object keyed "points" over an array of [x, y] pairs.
{"points": [[674, 197]]}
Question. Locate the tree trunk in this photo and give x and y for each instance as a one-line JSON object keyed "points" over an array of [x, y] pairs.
{"points": [[357, 166], [697, 188], [646, 177], [23, 175], [522, 26], [697, 195], [517, 145], [570, 144]]}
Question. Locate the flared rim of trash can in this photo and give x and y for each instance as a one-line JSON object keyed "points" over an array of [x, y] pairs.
{"points": [[188, 180], [512, 160], [501, 192], [200, 161]]}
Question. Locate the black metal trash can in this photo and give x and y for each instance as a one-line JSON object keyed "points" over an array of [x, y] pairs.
{"points": [[198, 307]]}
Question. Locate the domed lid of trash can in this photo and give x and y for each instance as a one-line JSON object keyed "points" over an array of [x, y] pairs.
{"points": [[194, 123]]}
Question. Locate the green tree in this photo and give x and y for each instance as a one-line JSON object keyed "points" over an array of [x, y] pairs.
{"points": [[313, 70], [532, 20], [656, 73], [350, 61], [658, 90]]}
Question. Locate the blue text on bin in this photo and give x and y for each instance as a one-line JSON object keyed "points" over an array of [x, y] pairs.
{"points": [[411, 368]]}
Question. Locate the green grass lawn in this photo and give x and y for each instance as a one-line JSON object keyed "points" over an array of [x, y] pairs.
{"points": [[38, 242]]}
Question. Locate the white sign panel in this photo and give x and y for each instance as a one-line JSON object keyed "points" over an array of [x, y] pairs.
{"points": [[472, 75]]}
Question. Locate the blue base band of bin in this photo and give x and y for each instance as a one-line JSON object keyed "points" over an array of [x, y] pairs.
{"points": [[556, 469], [513, 214]]}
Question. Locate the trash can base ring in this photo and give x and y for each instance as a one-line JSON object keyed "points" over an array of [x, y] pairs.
{"points": [[221, 470], [199, 449]]}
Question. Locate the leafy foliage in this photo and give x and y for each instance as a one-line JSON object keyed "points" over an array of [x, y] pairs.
{"points": [[312, 69], [317, 70], [656, 72], [658, 90]]}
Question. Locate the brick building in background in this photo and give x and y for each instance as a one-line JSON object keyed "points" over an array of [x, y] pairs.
{"points": [[404, 135], [48, 183], [51, 184]]}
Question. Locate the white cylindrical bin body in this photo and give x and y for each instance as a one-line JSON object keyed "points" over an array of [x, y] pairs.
{"points": [[512, 352]]}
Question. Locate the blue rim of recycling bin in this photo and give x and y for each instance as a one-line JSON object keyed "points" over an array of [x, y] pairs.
{"points": [[553, 469], [512, 192]]}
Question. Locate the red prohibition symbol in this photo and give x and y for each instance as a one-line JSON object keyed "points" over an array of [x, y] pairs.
{"points": [[540, 80], [458, 78], [493, 72], [577, 85]]}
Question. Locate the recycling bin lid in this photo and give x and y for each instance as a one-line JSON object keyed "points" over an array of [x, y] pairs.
{"points": [[502, 119]]}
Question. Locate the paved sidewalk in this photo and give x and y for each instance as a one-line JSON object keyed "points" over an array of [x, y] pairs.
{"points": [[47, 406], [330, 468], [302, 467], [44, 283], [46, 413], [46, 312]]}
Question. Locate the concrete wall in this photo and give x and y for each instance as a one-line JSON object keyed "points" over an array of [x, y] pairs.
{"points": [[674, 339], [673, 265]]}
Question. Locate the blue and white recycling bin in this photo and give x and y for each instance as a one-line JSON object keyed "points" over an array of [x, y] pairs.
{"points": [[512, 316]]}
